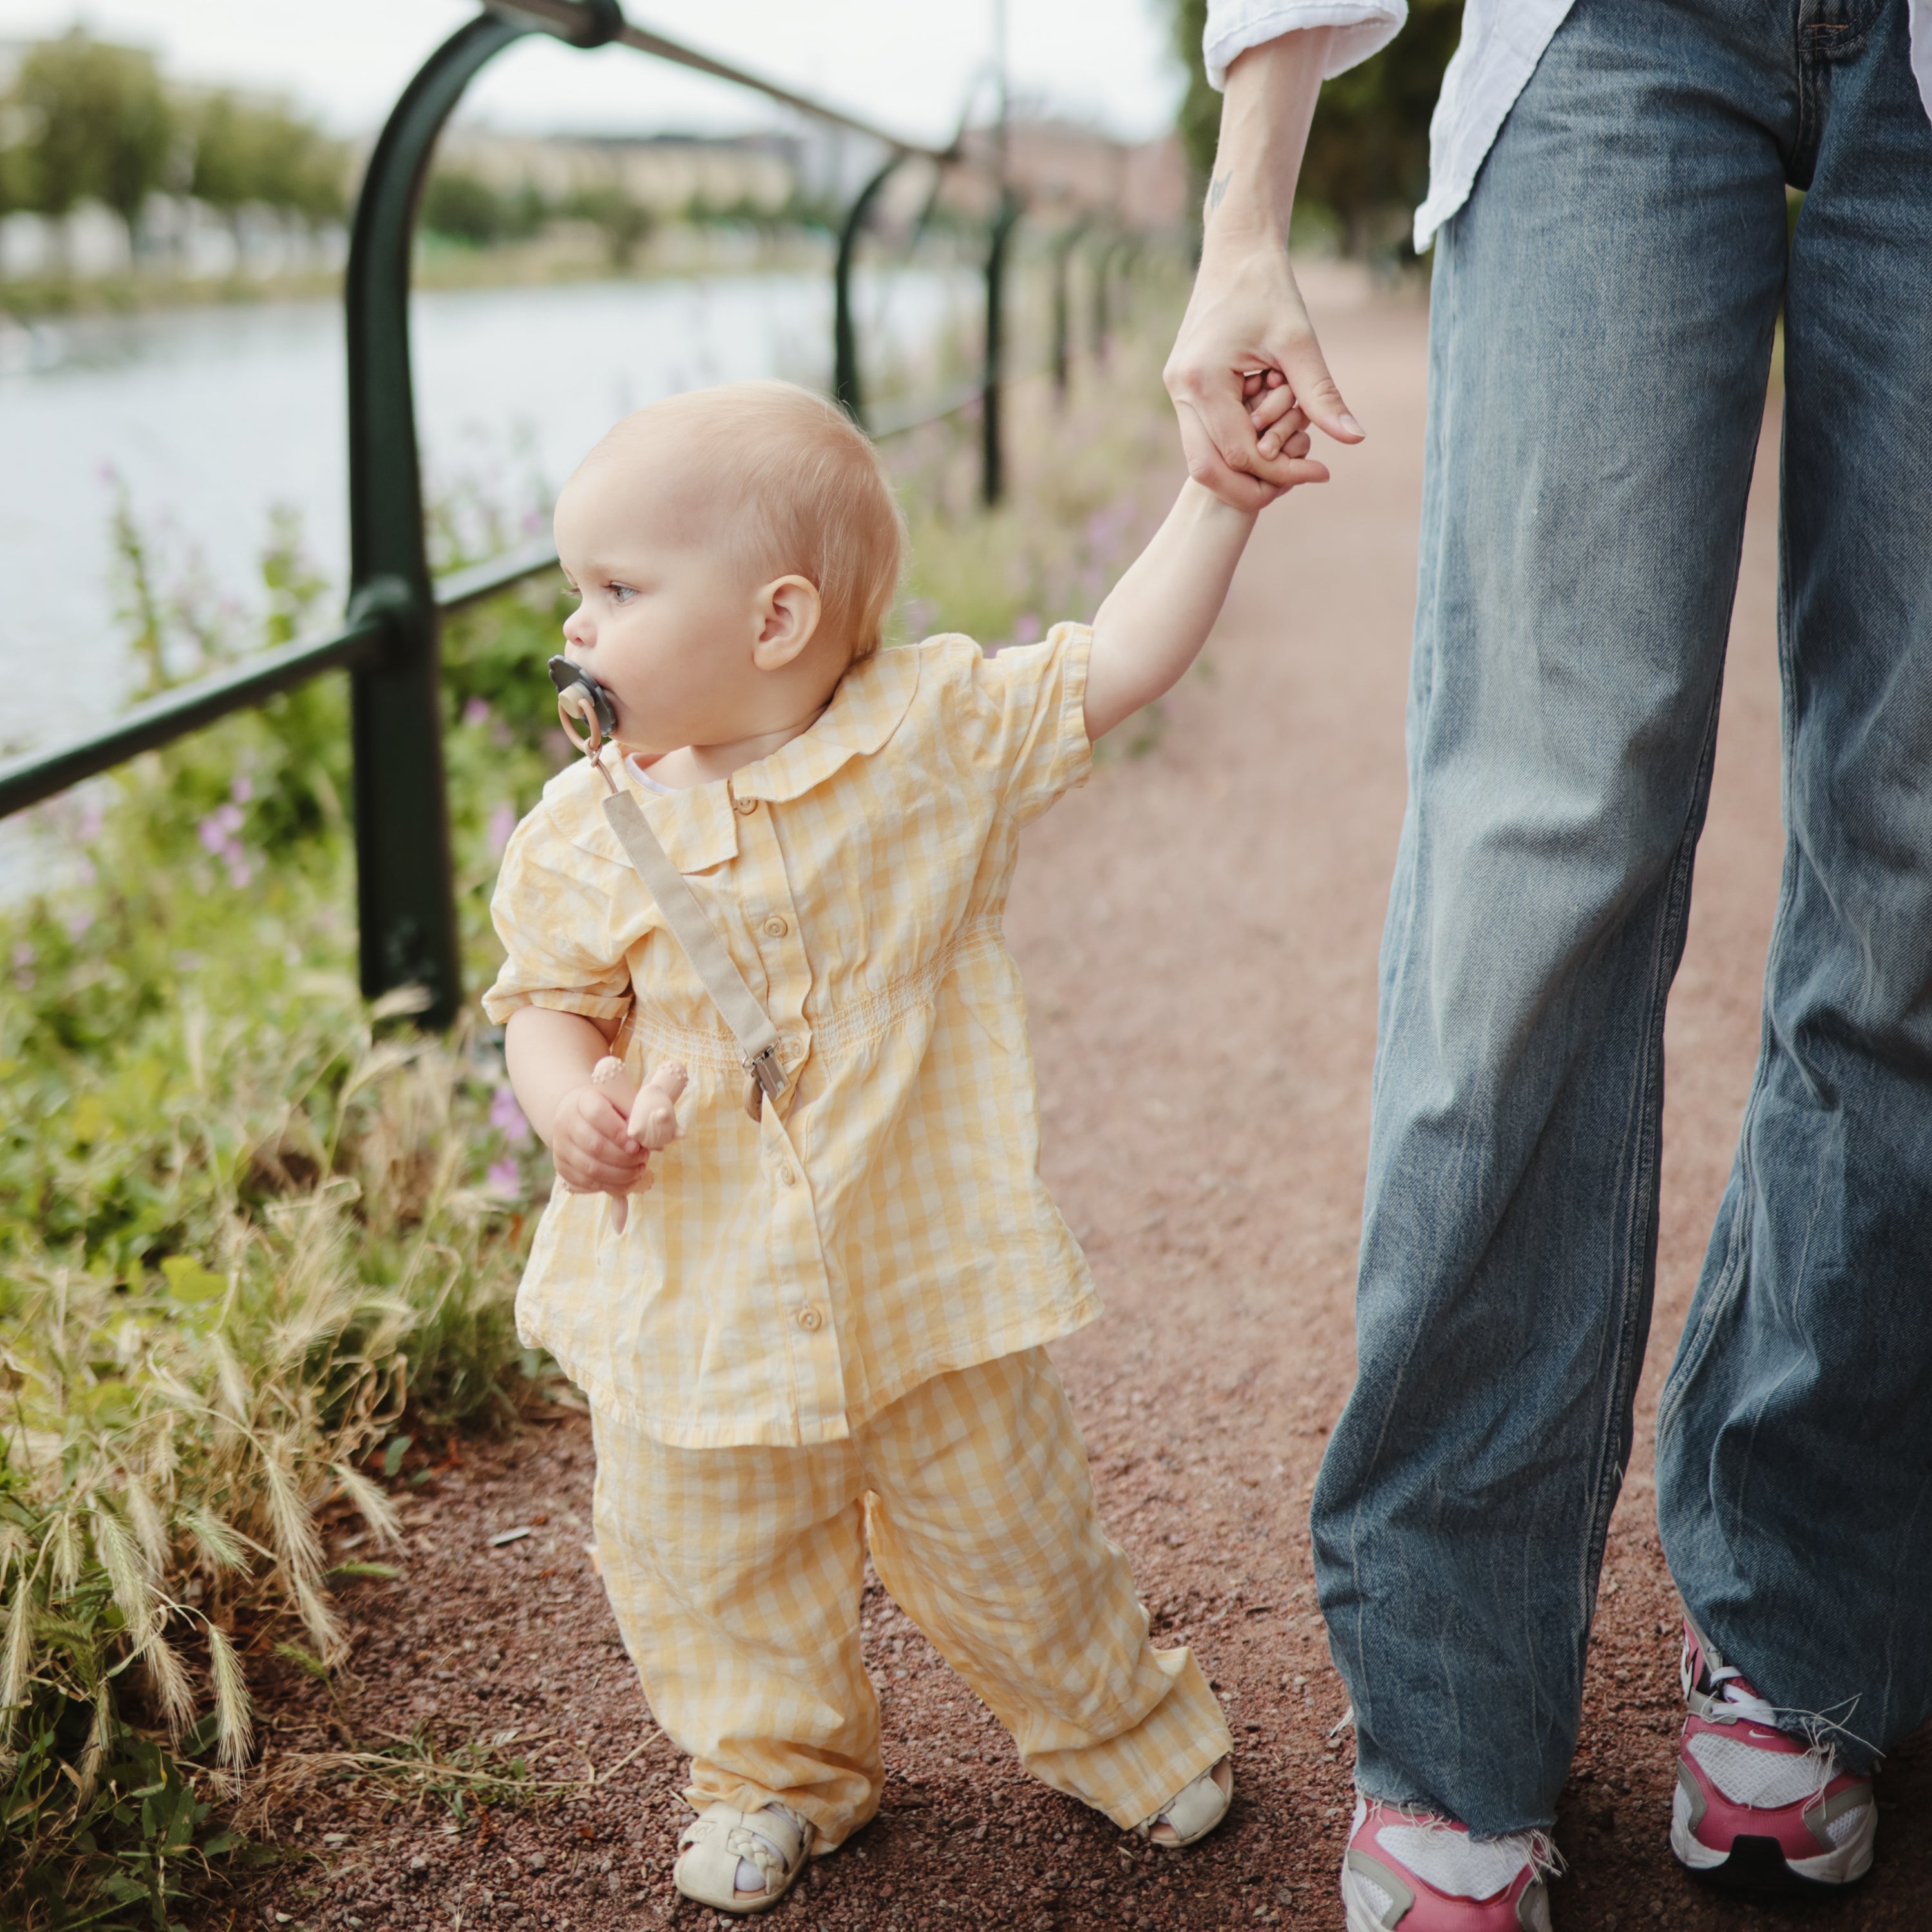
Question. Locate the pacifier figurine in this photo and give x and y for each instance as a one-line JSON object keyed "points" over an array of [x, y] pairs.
{"points": [[653, 1116]]}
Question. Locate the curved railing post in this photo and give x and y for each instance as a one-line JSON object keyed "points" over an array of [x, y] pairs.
{"points": [[405, 895], [1103, 319], [1062, 256], [992, 452], [845, 386]]}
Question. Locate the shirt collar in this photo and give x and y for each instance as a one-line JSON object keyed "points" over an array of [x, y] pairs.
{"points": [[698, 827], [871, 700]]}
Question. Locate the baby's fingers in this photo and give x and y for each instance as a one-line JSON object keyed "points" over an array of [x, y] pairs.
{"points": [[1274, 406]]}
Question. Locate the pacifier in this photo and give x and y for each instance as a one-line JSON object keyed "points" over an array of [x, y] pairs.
{"points": [[581, 699]]}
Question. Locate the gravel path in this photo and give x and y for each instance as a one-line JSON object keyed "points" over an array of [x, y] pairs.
{"points": [[1198, 930]]}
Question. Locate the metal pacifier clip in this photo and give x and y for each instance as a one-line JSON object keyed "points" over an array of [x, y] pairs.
{"points": [[582, 701]]}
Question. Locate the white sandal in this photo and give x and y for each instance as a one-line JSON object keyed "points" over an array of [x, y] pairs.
{"points": [[723, 1848], [1194, 1810]]}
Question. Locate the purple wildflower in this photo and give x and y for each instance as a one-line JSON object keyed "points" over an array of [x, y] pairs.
{"points": [[507, 1117], [502, 823], [502, 1177], [476, 712]]}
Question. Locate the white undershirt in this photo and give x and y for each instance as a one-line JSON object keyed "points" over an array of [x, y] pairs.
{"points": [[642, 776], [1502, 41]]}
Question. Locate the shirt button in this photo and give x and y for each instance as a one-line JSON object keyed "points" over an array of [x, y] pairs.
{"points": [[787, 1176], [776, 928], [808, 1318], [745, 807]]}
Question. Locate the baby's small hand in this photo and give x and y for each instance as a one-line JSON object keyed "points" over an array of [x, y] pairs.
{"points": [[591, 1145], [1281, 428]]}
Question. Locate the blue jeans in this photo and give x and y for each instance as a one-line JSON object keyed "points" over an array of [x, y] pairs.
{"points": [[1603, 316]]}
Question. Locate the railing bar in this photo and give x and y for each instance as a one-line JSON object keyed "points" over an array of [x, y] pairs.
{"points": [[478, 582], [37, 775], [567, 13], [967, 397], [892, 425]]}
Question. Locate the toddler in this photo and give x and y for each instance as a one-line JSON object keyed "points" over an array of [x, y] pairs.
{"points": [[823, 1332]]}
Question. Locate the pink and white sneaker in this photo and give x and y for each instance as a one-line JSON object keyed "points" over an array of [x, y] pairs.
{"points": [[1755, 1807], [1409, 1869]]}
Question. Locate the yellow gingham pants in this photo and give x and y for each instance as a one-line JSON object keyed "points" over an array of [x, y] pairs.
{"points": [[736, 1575]]}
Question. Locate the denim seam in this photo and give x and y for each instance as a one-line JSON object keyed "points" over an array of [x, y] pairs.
{"points": [[1695, 1343], [1638, 1262], [1351, 1655]]}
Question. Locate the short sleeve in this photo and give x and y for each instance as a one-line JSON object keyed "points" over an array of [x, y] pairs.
{"points": [[554, 921], [1031, 719]]}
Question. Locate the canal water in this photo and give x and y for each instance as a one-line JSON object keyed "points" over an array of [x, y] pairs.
{"points": [[211, 419]]}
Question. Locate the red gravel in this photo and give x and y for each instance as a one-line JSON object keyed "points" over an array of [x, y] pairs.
{"points": [[1198, 930]]}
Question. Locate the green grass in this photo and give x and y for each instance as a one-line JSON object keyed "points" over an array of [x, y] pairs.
{"points": [[256, 1234]]}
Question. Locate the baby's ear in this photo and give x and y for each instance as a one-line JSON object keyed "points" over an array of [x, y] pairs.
{"points": [[789, 610]]}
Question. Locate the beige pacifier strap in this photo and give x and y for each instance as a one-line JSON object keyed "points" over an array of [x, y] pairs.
{"points": [[757, 1038]]}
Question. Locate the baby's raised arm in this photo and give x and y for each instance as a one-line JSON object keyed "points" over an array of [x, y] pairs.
{"points": [[1153, 623]]}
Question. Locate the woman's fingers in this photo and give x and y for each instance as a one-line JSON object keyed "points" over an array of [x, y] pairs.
{"points": [[1300, 356]]}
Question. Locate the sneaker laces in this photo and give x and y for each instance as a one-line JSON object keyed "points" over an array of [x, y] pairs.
{"points": [[1727, 1682]]}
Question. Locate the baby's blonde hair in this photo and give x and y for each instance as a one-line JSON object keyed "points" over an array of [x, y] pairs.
{"points": [[799, 488]]}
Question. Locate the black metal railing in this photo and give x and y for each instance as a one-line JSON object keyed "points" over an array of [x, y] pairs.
{"points": [[389, 643]]}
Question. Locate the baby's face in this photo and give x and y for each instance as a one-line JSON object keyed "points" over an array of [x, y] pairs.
{"points": [[665, 622]]}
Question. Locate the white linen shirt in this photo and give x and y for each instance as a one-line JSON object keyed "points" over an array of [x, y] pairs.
{"points": [[1502, 41]]}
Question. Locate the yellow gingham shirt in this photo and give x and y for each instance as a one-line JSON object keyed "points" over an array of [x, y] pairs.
{"points": [[886, 1221]]}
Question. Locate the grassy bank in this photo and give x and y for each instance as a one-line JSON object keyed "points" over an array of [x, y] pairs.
{"points": [[258, 1240]]}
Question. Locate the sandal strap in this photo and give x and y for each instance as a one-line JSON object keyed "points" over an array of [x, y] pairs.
{"points": [[773, 1838], [1192, 1811]]}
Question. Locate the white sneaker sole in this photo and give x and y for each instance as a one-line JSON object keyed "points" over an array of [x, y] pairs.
{"points": [[1843, 1864]]}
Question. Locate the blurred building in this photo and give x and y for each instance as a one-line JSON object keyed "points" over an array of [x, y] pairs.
{"points": [[666, 173]]}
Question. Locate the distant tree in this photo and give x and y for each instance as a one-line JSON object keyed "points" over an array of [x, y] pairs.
{"points": [[98, 124], [624, 222], [1198, 119], [262, 152], [1368, 151], [18, 130], [462, 207]]}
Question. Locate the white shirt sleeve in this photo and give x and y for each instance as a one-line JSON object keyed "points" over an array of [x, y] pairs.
{"points": [[1362, 27]]}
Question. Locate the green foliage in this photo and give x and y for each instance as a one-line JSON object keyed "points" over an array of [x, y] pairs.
{"points": [[247, 151], [1367, 159], [87, 119], [91, 120], [1368, 149], [623, 222], [1090, 484], [463, 207], [1198, 118], [244, 1225]]}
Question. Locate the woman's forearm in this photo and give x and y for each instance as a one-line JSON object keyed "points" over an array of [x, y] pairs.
{"points": [[1265, 115]]}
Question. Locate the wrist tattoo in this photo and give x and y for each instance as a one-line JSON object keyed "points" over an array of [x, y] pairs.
{"points": [[1217, 189]]}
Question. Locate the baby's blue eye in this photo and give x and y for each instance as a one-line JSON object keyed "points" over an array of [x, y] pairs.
{"points": [[620, 593]]}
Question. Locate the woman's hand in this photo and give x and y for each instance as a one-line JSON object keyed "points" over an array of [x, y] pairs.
{"points": [[1247, 329]]}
